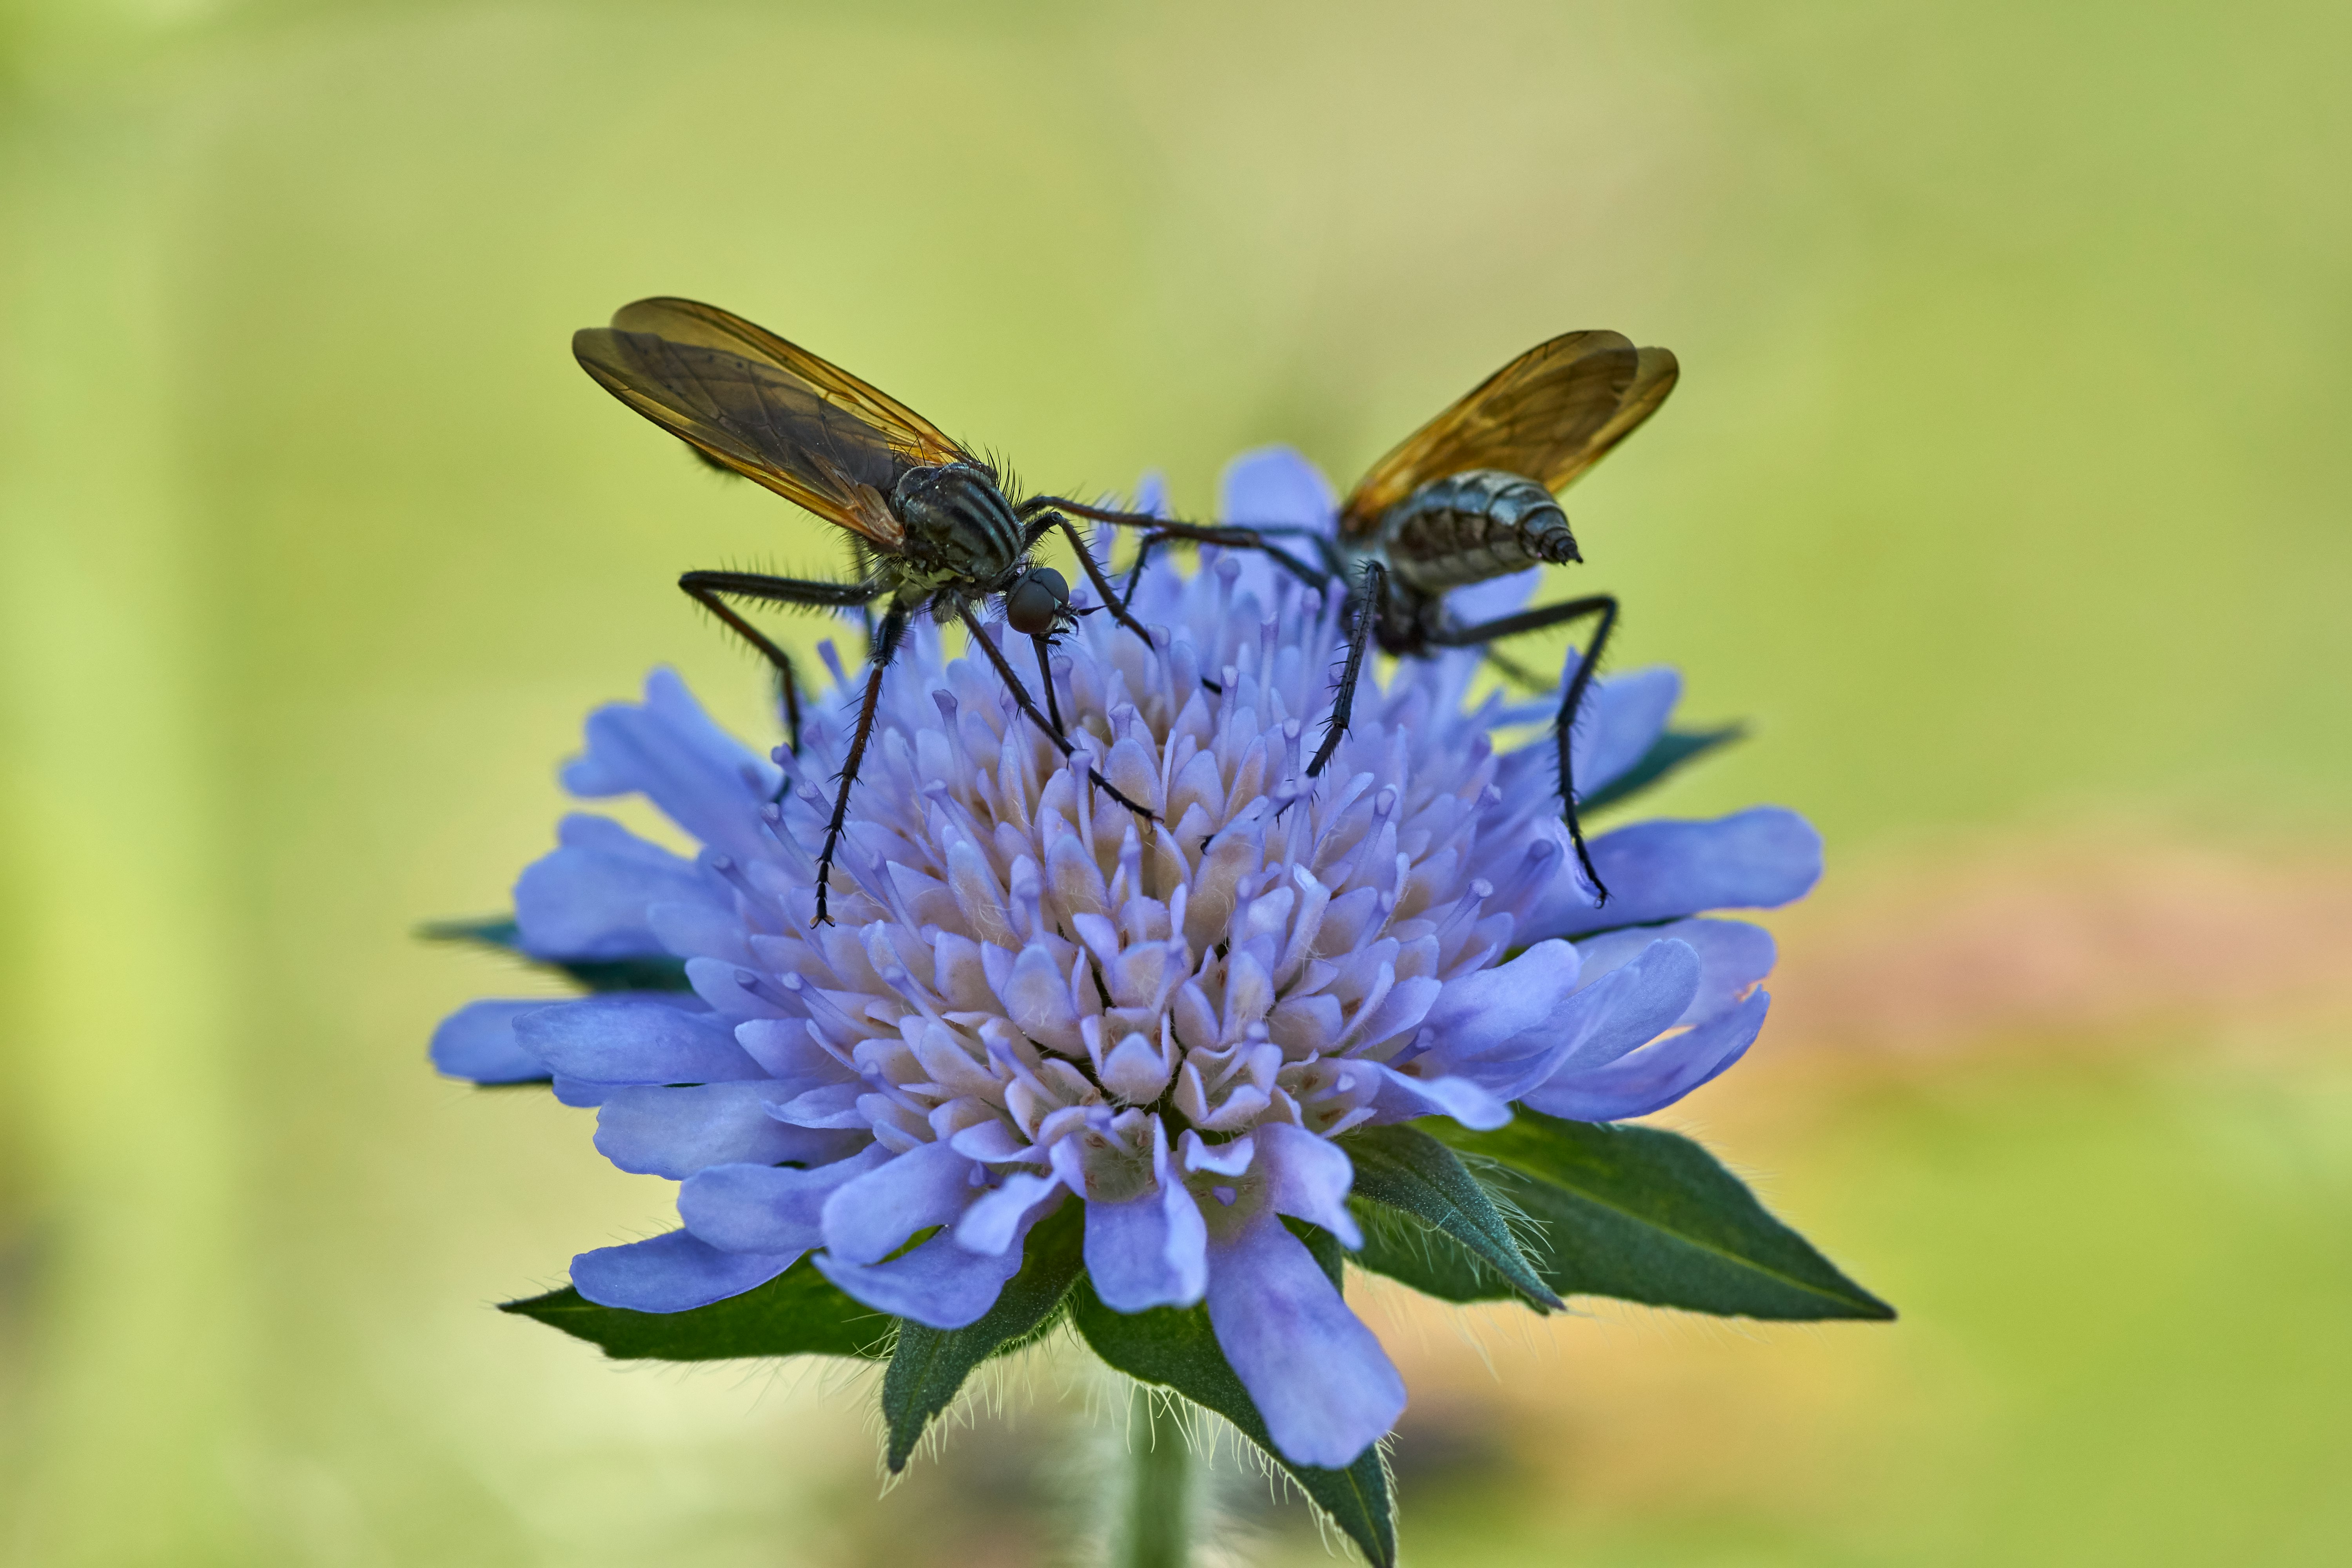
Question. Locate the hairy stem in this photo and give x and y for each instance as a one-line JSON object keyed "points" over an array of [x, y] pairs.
{"points": [[1155, 1530]]}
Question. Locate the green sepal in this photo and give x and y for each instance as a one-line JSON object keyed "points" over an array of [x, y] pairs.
{"points": [[1672, 750], [1648, 1216], [1405, 1168], [930, 1365], [655, 971], [1175, 1348], [799, 1313], [1413, 1253]]}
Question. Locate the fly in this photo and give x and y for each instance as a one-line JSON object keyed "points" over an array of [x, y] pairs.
{"points": [[1472, 496], [934, 530]]}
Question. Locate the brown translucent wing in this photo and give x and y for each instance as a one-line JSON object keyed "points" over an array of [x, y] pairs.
{"points": [[1549, 414], [766, 408], [910, 435], [1654, 373]]}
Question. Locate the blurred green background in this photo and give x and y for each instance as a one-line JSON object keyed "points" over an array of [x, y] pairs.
{"points": [[2004, 494]]}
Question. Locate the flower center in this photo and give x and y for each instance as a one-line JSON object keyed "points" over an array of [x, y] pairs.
{"points": [[1022, 961]]}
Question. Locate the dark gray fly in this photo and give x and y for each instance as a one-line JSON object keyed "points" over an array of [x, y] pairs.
{"points": [[935, 531], [1469, 496]]}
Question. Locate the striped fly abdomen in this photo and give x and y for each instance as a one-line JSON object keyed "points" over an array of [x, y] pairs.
{"points": [[1469, 527]]}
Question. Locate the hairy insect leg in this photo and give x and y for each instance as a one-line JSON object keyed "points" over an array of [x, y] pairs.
{"points": [[1512, 669], [705, 588], [1343, 706], [1135, 572], [1043, 514], [1046, 679], [893, 623], [777, 660], [1231, 538], [980, 639], [865, 560], [1102, 583], [1152, 519], [1563, 727], [1099, 513], [1158, 529]]}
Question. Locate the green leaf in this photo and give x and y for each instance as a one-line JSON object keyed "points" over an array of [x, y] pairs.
{"points": [[1423, 1257], [1648, 1216], [1175, 1348], [1405, 1168], [930, 1364], [799, 1313], [1672, 750], [655, 971]]}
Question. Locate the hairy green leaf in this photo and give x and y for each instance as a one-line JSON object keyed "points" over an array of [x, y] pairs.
{"points": [[1672, 750], [799, 1313], [930, 1365], [1648, 1216], [1407, 1169], [655, 971], [1414, 1253], [1175, 1348]]}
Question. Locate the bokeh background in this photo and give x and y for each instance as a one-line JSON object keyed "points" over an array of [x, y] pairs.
{"points": [[2004, 496]]}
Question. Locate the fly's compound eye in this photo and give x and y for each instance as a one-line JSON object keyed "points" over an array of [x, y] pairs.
{"points": [[1035, 603]]}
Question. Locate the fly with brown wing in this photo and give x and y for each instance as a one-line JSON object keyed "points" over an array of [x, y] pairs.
{"points": [[1470, 497], [935, 531]]}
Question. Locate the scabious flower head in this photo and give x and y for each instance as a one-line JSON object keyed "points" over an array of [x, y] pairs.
{"points": [[1031, 997]]}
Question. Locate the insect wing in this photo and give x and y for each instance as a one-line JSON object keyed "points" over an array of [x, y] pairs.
{"points": [[914, 437], [765, 408], [1549, 414], [745, 416], [1654, 373]]}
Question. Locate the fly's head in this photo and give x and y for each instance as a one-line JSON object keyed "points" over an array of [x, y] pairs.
{"points": [[1037, 602]]}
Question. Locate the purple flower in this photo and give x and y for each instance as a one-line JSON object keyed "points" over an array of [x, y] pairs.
{"points": [[1032, 998]]}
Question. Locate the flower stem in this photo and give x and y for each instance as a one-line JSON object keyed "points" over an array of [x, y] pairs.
{"points": [[1157, 1529]]}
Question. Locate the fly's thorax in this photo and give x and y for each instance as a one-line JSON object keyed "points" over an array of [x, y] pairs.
{"points": [[1345, 557], [1470, 527], [1398, 622], [959, 526]]}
